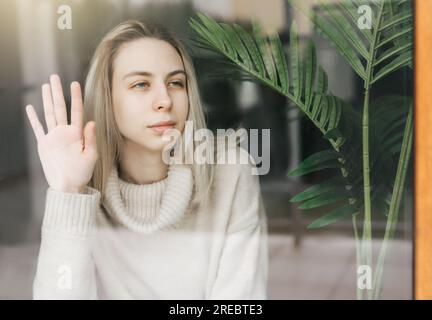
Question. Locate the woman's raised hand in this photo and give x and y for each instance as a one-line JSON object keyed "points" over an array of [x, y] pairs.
{"points": [[67, 151]]}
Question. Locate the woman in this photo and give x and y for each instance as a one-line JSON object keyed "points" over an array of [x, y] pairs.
{"points": [[121, 223]]}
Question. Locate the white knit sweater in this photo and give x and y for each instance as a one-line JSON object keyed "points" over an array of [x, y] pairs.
{"points": [[148, 242]]}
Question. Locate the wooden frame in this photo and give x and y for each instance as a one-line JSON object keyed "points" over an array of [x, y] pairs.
{"points": [[423, 151]]}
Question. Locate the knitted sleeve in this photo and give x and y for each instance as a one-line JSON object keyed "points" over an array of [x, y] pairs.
{"points": [[243, 266], [65, 269]]}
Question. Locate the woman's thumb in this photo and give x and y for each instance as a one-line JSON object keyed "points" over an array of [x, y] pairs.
{"points": [[90, 138]]}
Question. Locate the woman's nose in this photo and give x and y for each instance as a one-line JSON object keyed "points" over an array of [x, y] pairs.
{"points": [[163, 100]]}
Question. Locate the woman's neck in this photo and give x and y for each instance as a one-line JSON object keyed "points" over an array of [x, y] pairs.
{"points": [[141, 166]]}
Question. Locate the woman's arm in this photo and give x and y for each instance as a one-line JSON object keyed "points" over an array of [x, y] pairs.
{"points": [[68, 155], [65, 267], [243, 267]]}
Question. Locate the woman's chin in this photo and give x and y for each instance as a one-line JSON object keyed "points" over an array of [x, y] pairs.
{"points": [[155, 144]]}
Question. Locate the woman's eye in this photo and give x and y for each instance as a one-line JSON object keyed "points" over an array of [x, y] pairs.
{"points": [[178, 84], [139, 85]]}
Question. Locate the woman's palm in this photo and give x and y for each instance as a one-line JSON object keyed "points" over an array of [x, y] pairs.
{"points": [[67, 152]]}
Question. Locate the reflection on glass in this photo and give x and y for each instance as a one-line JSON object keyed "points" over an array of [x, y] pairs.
{"points": [[332, 80]]}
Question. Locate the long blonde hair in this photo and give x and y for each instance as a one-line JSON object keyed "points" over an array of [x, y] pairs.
{"points": [[99, 107]]}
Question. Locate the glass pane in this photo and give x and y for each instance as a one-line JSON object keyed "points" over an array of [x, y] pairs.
{"points": [[324, 95]]}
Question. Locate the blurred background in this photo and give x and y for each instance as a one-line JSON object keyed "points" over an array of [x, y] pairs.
{"points": [[311, 264]]}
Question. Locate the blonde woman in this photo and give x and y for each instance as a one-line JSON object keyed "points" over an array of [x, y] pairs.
{"points": [[119, 222]]}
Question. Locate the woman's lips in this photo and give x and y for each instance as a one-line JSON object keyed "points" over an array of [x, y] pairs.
{"points": [[162, 128]]}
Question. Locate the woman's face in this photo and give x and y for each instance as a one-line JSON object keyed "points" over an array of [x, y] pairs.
{"points": [[148, 86]]}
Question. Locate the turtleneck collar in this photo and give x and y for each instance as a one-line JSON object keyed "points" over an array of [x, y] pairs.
{"points": [[150, 207]]}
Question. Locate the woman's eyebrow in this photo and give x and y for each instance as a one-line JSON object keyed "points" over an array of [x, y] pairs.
{"points": [[149, 74]]}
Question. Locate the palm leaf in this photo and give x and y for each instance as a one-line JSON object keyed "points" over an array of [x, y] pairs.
{"points": [[390, 38], [325, 199], [263, 58], [318, 189], [315, 162], [304, 82], [333, 216]]}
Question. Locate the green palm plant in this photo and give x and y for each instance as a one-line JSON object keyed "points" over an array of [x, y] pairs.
{"points": [[373, 54]]}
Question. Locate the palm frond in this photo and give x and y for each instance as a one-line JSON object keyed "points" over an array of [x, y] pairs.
{"points": [[333, 216], [255, 57], [389, 40], [388, 114], [264, 59]]}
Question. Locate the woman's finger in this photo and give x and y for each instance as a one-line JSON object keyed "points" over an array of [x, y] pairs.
{"points": [[35, 123], [59, 101], [48, 107], [90, 148], [77, 106]]}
